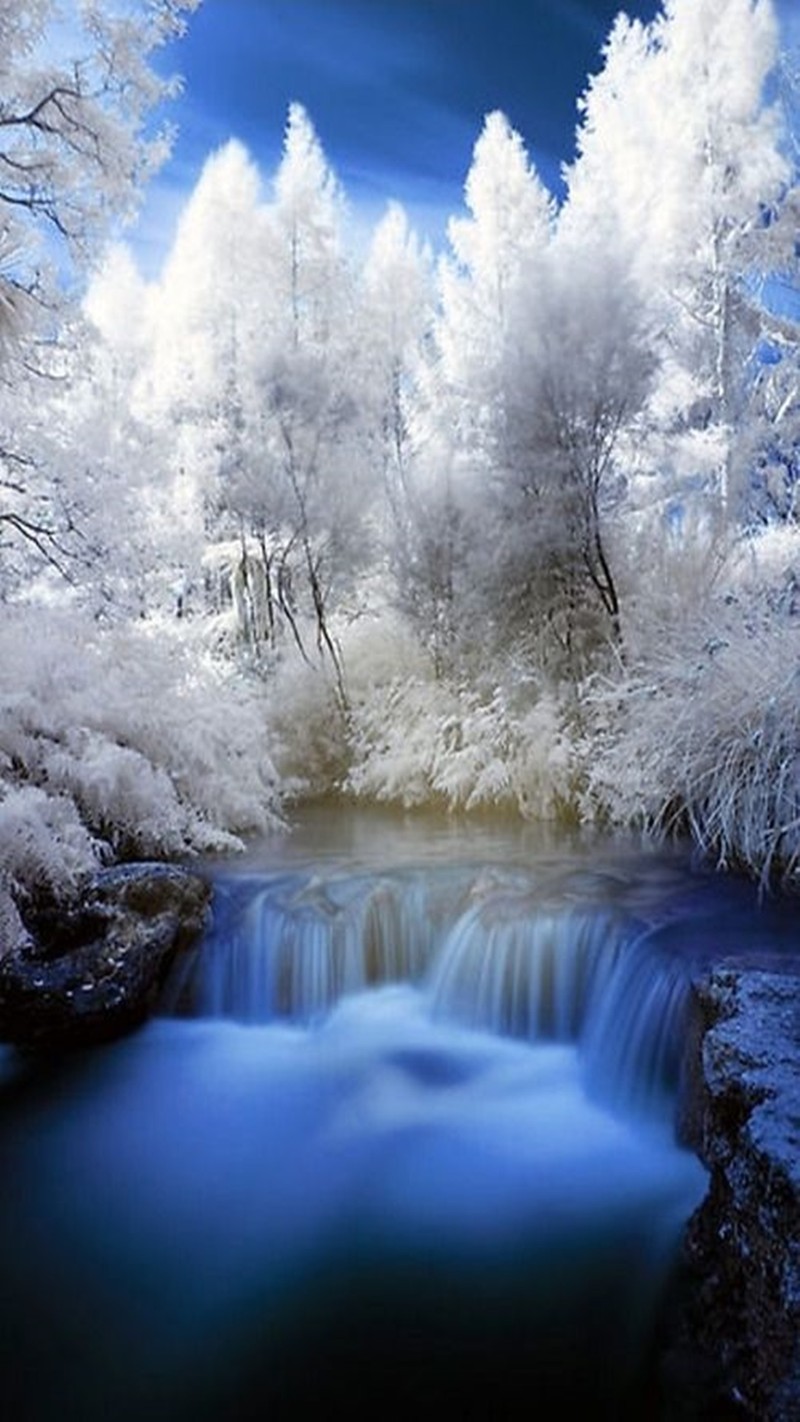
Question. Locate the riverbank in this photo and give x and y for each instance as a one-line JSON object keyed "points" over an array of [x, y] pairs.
{"points": [[733, 1337]]}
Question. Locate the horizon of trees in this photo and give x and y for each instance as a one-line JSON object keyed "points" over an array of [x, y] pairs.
{"points": [[495, 430], [470, 521]]}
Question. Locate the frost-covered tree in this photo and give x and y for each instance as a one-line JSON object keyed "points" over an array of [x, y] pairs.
{"points": [[209, 320], [576, 373], [396, 311], [682, 169], [774, 428], [210, 295], [77, 89], [37, 526], [315, 488], [460, 413], [111, 741], [249, 374], [306, 265], [508, 227], [541, 361]]}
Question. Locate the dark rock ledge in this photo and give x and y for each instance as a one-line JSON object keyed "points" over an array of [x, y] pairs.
{"points": [[734, 1345], [73, 978]]}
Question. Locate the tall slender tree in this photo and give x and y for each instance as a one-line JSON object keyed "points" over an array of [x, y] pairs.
{"points": [[396, 292], [460, 426], [313, 425], [77, 89], [681, 165]]}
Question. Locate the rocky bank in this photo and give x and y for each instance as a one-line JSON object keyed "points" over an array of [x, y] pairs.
{"points": [[734, 1346]]}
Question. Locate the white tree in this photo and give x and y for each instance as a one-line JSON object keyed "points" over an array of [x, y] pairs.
{"points": [[681, 167], [509, 224], [209, 324], [460, 410], [77, 88], [577, 370], [315, 488], [395, 318], [210, 295]]}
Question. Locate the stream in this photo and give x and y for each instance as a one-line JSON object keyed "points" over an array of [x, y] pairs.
{"points": [[401, 1137]]}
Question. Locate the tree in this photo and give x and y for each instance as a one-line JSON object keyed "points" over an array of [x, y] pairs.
{"points": [[396, 311], [210, 297], [577, 370], [509, 224], [76, 86], [315, 490], [681, 166], [197, 386], [395, 316], [460, 411]]}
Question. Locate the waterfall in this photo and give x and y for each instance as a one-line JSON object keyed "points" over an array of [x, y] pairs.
{"points": [[516, 967], [292, 949], [488, 949], [570, 974], [632, 1044], [403, 1126]]}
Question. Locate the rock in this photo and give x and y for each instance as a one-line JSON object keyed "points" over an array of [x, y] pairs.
{"points": [[734, 1349], [152, 890], [94, 973]]}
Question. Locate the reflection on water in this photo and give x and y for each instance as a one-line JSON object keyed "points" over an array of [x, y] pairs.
{"points": [[396, 1191]]}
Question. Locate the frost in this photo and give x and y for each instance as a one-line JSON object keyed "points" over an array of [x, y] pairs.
{"points": [[120, 742], [512, 531]]}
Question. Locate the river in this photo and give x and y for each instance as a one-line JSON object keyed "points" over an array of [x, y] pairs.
{"points": [[401, 1138]]}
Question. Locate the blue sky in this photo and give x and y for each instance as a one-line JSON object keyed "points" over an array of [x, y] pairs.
{"points": [[397, 90]]}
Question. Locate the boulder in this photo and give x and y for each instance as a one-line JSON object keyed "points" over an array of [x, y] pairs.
{"points": [[92, 973], [734, 1350]]}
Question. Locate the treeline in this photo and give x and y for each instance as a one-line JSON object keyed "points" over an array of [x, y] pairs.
{"points": [[504, 526]]}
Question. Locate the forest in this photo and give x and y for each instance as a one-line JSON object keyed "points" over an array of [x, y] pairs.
{"points": [[511, 527]]}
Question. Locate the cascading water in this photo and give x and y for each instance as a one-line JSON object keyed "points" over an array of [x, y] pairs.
{"points": [[399, 1134], [572, 975], [487, 949], [291, 947], [512, 965]]}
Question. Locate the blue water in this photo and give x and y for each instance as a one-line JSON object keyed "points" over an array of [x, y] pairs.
{"points": [[369, 1191]]}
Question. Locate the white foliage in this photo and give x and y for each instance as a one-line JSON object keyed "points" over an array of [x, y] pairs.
{"points": [[415, 739], [509, 224], [306, 730], [705, 738], [123, 741], [677, 148], [44, 845], [530, 470], [77, 84]]}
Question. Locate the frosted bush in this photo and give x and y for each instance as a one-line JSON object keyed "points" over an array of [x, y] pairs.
{"points": [[306, 729], [43, 843], [412, 739], [312, 741], [417, 740], [706, 738], [129, 801], [122, 741]]}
